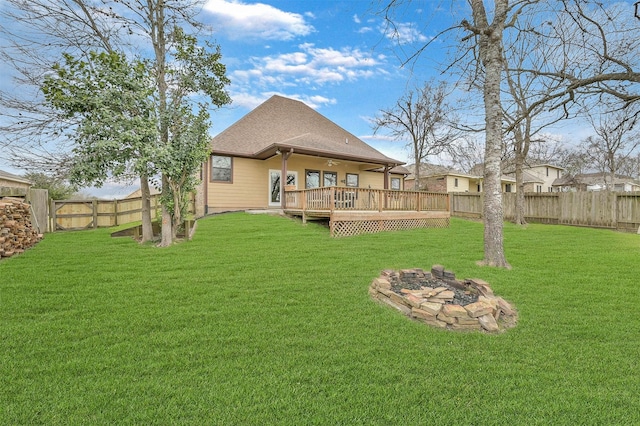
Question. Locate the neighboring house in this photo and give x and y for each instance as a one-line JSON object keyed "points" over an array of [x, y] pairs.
{"points": [[596, 182], [541, 177], [13, 185], [286, 138], [452, 181]]}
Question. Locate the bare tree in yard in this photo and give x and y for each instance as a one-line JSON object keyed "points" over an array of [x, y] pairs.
{"points": [[616, 141], [422, 117], [524, 124], [488, 40]]}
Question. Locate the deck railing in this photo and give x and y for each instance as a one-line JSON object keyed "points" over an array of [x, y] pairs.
{"points": [[364, 199]]}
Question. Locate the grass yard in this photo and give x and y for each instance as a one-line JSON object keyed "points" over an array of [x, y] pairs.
{"points": [[261, 320]]}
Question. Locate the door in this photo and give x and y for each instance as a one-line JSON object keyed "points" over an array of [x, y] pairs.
{"points": [[274, 185]]}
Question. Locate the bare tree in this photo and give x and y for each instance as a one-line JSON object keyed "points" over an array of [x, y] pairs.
{"points": [[616, 141], [422, 117]]}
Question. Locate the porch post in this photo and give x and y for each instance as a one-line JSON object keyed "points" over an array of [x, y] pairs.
{"points": [[283, 178], [283, 181]]}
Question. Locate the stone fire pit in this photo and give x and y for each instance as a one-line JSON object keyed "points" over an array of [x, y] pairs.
{"points": [[440, 300]]}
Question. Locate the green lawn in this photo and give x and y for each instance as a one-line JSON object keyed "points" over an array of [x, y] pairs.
{"points": [[262, 320]]}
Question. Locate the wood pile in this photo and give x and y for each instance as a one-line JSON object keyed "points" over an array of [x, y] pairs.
{"points": [[16, 230]]}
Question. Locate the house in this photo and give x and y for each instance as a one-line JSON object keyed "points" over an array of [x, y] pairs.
{"points": [[541, 177], [13, 185], [596, 182], [283, 137], [454, 181]]}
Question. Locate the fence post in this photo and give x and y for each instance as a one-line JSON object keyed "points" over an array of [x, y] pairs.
{"points": [[54, 219], [115, 211], [94, 205]]}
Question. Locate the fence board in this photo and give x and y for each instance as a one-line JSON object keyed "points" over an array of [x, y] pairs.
{"points": [[83, 214], [595, 209], [39, 200]]}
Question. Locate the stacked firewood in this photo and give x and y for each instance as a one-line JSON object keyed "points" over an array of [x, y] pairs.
{"points": [[16, 230]]}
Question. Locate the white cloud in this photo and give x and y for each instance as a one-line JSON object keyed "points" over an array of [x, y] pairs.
{"points": [[356, 19], [310, 66], [256, 20], [250, 101], [404, 33]]}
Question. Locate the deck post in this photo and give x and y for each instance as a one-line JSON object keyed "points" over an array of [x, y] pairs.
{"points": [[381, 200]]}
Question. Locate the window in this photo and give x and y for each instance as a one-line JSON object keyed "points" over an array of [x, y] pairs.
{"points": [[547, 172], [455, 182], [395, 183], [221, 169], [538, 188], [330, 179], [507, 187], [312, 179], [352, 179]]}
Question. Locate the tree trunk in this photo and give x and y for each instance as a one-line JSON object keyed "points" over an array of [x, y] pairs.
{"points": [[145, 194], [491, 56], [416, 156], [167, 225], [520, 220]]}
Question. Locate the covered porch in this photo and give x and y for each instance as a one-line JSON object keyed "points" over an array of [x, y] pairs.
{"points": [[353, 210]]}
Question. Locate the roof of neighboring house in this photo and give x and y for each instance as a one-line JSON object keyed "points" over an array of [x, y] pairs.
{"points": [[592, 178], [504, 178], [15, 178], [528, 177], [138, 193], [545, 165], [286, 124]]}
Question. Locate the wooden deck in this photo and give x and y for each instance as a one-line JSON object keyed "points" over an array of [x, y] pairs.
{"points": [[353, 211]]}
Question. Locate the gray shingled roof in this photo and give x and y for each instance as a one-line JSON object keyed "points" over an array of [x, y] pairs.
{"points": [[285, 124]]}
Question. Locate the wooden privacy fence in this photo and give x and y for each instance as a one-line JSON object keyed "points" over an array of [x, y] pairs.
{"points": [[84, 214], [615, 210]]}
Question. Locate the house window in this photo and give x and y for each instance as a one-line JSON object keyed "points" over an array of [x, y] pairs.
{"points": [[538, 188], [455, 182], [221, 169], [507, 187], [352, 179], [479, 188], [547, 172], [330, 178], [395, 183], [312, 179]]}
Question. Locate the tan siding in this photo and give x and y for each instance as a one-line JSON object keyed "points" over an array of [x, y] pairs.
{"points": [[250, 187], [13, 184]]}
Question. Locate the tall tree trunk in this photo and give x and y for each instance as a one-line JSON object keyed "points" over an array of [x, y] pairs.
{"points": [[416, 156], [520, 219], [491, 57], [158, 37], [145, 194]]}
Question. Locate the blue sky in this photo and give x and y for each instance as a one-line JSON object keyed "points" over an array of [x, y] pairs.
{"points": [[338, 57]]}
